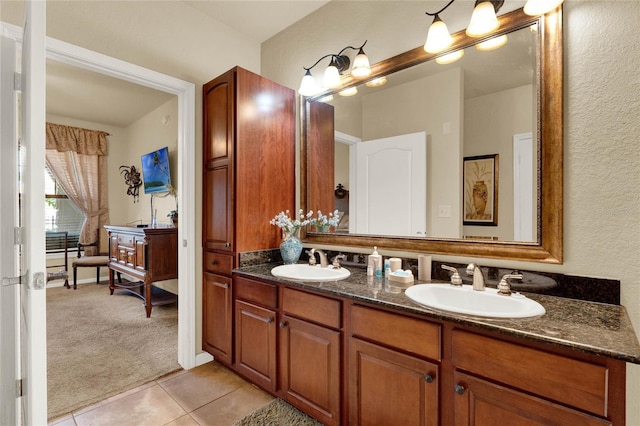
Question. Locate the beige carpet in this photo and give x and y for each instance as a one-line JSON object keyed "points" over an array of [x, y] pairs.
{"points": [[278, 413], [100, 345]]}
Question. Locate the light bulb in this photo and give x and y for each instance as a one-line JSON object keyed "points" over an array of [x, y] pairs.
{"points": [[380, 81], [483, 20], [492, 43], [308, 85], [361, 67], [331, 76], [540, 7], [350, 91], [438, 37], [450, 57]]}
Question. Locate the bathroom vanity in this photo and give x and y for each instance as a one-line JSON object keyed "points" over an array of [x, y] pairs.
{"points": [[358, 351]]}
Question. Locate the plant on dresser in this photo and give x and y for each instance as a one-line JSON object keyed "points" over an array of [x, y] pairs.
{"points": [[248, 172]]}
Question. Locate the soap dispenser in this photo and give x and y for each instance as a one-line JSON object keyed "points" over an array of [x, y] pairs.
{"points": [[374, 265]]}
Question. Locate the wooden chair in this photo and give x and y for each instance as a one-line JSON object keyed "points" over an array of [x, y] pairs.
{"points": [[85, 261]]}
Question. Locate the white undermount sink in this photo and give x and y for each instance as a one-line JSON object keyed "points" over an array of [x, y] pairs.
{"points": [[465, 300], [304, 272]]}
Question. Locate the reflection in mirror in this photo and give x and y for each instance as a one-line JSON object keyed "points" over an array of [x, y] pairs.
{"points": [[406, 152], [482, 104]]}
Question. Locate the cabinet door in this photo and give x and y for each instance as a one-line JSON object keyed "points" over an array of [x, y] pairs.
{"points": [[390, 388], [217, 318], [265, 152], [113, 247], [218, 155], [218, 126], [310, 368], [140, 257], [479, 403], [256, 344], [217, 225]]}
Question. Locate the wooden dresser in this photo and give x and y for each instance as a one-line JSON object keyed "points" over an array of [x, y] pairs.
{"points": [[145, 254]]}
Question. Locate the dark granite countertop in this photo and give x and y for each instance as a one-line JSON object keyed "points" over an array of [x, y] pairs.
{"points": [[596, 328]]}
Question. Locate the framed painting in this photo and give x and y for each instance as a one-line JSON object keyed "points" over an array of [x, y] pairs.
{"points": [[480, 192]]}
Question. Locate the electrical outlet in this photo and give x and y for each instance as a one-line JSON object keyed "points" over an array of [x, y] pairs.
{"points": [[444, 211]]}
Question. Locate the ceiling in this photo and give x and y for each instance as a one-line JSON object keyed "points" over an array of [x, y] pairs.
{"points": [[89, 96]]}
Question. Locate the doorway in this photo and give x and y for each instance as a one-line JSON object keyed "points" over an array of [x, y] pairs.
{"points": [[82, 58]]}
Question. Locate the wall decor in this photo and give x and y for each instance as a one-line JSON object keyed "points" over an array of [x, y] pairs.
{"points": [[132, 179], [481, 190]]}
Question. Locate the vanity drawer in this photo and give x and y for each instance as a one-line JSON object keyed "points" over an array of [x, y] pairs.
{"points": [[255, 291], [321, 310], [577, 383], [218, 263], [397, 331], [125, 241]]}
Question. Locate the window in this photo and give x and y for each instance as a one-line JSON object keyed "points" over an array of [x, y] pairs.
{"points": [[61, 215]]}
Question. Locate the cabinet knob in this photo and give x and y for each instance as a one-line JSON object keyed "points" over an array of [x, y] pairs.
{"points": [[270, 320], [283, 324], [428, 378], [459, 389], [227, 244], [213, 262]]}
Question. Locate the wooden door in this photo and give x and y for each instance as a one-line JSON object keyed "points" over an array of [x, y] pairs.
{"points": [[387, 387], [218, 157], [217, 321], [310, 368], [478, 402], [256, 344]]}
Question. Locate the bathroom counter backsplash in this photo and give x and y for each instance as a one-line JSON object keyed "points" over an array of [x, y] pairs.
{"points": [[601, 290], [593, 327]]}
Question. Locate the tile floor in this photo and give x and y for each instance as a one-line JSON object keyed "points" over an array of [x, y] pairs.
{"points": [[208, 395]]}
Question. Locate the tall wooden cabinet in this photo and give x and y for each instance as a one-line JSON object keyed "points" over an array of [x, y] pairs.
{"points": [[248, 177]]}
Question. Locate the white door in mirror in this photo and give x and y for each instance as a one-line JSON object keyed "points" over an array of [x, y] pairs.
{"points": [[465, 300]]}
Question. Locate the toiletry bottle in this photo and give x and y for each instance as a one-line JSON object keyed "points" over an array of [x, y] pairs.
{"points": [[371, 265], [387, 267], [375, 262]]}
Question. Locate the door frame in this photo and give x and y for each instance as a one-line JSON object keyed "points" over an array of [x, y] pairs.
{"points": [[73, 55]]}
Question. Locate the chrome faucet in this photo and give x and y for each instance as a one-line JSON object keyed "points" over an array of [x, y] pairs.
{"points": [[455, 277], [323, 257], [504, 287], [336, 260], [478, 276]]}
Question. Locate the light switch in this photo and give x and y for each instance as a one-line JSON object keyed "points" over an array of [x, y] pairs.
{"points": [[444, 211]]}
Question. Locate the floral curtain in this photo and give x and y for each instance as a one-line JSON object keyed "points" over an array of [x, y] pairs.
{"points": [[77, 158]]}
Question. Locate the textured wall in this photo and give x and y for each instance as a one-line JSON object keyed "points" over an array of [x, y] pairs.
{"points": [[602, 124]]}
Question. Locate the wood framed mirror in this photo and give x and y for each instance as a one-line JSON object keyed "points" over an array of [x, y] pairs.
{"points": [[546, 241]]}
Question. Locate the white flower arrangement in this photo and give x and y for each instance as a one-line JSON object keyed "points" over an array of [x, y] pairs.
{"points": [[283, 220], [324, 221]]}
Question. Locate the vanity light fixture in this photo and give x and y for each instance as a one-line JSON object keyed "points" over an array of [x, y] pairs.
{"points": [[483, 18], [483, 21], [338, 65]]}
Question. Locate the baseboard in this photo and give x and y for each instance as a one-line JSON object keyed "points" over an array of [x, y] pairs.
{"points": [[203, 358], [60, 283]]}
